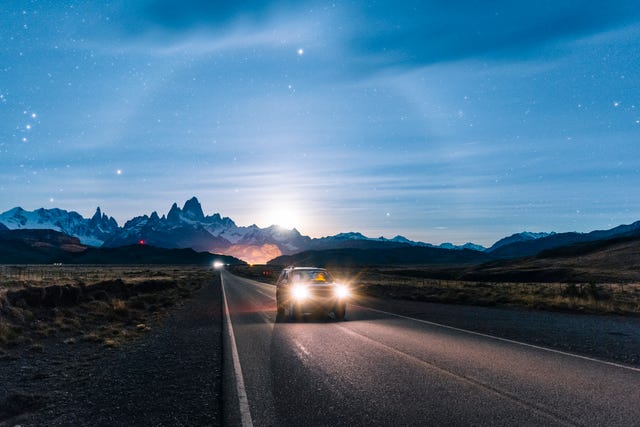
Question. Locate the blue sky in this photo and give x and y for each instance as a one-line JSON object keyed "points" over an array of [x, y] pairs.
{"points": [[440, 122]]}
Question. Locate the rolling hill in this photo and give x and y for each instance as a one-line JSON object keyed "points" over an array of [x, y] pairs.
{"points": [[48, 246], [403, 255], [604, 261]]}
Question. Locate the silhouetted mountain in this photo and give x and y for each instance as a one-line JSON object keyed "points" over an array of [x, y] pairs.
{"points": [[145, 254], [358, 240], [532, 247], [48, 246], [36, 246], [525, 236], [403, 255], [602, 261]]}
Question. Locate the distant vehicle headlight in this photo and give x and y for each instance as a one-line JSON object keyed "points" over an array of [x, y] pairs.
{"points": [[342, 291], [300, 292]]}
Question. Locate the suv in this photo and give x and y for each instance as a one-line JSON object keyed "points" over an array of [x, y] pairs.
{"points": [[302, 290]]}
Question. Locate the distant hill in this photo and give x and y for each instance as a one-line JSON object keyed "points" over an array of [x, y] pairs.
{"points": [[403, 255], [48, 246], [531, 246], [36, 246], [603, 261], [525, 236], [145, 254]]}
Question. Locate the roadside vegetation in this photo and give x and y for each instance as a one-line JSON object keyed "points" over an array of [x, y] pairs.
{"points": [[415, 283], [108, 306]]}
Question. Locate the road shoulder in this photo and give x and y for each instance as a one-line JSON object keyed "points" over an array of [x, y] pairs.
{"points": [[171, 376]]}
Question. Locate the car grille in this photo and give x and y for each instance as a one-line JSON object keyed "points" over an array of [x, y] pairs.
{"points": [[321, 291]]}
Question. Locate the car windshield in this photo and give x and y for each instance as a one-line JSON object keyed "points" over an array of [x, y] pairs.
{"points": [[312, 276]]}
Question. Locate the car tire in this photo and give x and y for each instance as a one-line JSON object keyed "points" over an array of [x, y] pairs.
{"points": [[340, 311]]}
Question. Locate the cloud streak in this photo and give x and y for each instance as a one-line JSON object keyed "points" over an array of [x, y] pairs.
{"points": [[429, 32], [470, 120]]}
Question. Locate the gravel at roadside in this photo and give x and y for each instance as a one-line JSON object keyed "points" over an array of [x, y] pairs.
{"points": [[172, 376]]}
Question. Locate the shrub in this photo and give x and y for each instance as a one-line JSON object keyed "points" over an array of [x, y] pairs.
{"points": [[6, 332], [571, 290], [119, 306], [111, 343]]}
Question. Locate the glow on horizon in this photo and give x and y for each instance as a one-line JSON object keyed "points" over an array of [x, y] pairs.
{"points": [[281, 215], [464, 124]]}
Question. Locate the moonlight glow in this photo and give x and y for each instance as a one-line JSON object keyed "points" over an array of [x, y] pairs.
{"points": [[287, 218], [465, 124]]}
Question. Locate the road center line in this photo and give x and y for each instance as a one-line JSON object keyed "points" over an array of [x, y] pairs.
{"points": [[243, 400], [564, 353]]}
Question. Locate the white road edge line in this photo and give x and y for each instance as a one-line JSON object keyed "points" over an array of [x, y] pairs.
{"points": [[551, 350], [243, 400], [564, 353]]}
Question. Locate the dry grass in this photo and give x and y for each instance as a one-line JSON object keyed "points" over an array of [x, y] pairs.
{"points": [[616, 298], [414, 284], [117, 304], [12, 276], [6, 332]]}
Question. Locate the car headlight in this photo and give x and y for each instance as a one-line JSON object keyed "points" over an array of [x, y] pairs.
{"points": [[300, 292], [342, 291]]}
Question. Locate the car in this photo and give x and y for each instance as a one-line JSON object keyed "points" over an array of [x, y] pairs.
{"points": [[304, 290]]}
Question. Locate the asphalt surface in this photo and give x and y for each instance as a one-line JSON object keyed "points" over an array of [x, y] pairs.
{"points": [[378, 368]]}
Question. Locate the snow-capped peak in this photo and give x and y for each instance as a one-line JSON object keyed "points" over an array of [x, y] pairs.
{"points": [[91, 232]]}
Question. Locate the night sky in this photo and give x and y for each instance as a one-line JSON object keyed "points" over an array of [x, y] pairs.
{"points": [[436, 121]]}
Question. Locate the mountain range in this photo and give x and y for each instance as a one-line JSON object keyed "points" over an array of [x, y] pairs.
{"points": [[90, 231], [188, 227]]}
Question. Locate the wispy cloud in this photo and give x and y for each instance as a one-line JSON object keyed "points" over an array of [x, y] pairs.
{"points": [[428, 32]]}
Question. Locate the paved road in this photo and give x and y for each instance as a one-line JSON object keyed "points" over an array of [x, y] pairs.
{"points": [[381, 369]]}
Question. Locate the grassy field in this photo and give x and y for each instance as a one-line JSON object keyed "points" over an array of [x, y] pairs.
{"points": [[104, 305], [414, 283]]}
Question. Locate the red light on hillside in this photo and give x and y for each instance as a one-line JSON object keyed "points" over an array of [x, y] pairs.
{"points": [[141, 242]]}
